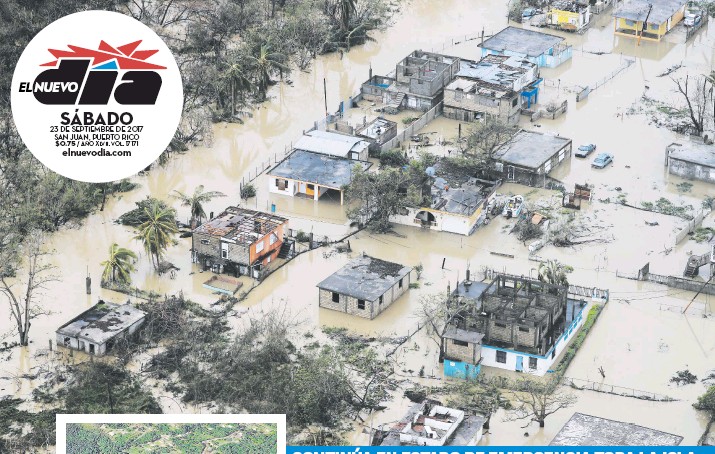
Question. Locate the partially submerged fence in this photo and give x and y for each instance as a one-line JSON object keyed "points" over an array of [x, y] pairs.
{"points": [[591, 385], [410, 130]]}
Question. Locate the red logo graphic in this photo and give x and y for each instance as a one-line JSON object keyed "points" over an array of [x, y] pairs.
{"points": [[126, 56]]}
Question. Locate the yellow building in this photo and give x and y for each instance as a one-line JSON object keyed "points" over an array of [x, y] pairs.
{"points": [[649, 20], [569, 15]]}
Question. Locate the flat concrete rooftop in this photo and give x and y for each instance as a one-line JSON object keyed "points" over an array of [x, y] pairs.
{"points": [[696, 153], [531, 149], [587, 430], [637, 10], [323, 170], [365, 278], [522, 41]]}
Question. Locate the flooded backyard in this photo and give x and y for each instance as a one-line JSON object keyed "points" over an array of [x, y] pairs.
{"points": [[642, 337]]}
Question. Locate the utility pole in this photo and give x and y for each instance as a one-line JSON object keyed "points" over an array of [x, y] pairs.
{"points": [[325, 96], [645, 23]]}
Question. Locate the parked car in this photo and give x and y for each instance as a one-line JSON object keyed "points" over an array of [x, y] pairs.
{"points": [[602, 160], [692, 20], [585, 150]]}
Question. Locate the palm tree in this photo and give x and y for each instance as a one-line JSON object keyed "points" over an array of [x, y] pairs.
{"points": [[347, 9], [155, 233], [119, 265], [195, 201], [554, 272], [265, 63]]}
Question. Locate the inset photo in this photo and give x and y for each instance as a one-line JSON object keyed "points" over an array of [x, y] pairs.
{"points": [[170, 434]]}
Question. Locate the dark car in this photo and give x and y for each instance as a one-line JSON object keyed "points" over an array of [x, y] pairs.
{"points": [[585, 150], [602, 160]]}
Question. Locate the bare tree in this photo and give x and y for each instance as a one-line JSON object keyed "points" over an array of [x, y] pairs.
{"points": [[439, 312], [696, 99], [21, 294], [535, 400]]}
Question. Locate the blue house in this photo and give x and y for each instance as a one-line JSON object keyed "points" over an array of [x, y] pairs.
{"points": [[543, 49]]}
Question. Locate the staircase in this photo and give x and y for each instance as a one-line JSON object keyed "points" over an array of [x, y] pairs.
{"points": [[694, 263], [286, 249], [397, 101]]}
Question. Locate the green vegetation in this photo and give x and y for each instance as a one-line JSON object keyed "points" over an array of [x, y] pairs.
{"points": [[156, 232], [570, 353], [118, 266], [665, 206], [220, 438], [393, 158], [703, 234], [195, 202], [248, 191]]}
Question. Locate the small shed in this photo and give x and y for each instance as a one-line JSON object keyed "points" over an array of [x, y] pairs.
{"points": [[691, 160], [97, 329], [365, 287], [530, 156]]}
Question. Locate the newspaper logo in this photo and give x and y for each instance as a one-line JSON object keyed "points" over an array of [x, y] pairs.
{"points": [[103, 106]]}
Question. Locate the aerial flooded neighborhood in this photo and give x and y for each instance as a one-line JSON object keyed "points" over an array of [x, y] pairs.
{"points": [[397, 222]]}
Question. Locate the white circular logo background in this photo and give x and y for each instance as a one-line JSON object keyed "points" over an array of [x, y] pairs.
{"points": [[97, 96]]}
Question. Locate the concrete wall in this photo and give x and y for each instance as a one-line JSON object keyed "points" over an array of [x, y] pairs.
{"points": [[349, 305], [464, 106], [469, 353], [99, 349], [459, 369], [290, 189], [544, 362], [690, 170]]}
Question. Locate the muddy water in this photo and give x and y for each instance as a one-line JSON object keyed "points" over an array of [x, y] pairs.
{"points": [[631, 357]]}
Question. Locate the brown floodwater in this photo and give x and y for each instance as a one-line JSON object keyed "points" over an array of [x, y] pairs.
{"points": [[629, 338]]}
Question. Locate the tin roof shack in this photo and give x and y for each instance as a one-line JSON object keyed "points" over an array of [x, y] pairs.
{"points": [[430, 424], [510, 72], [312, 175], [540, 48], [334, 144], [569, 15], [647, 19], [418, 84], [378, 132], [520, 318], [239, 241], [529, 157], [691, 160], [457, 200], [587, 430], [96, 330], [365, 287]]}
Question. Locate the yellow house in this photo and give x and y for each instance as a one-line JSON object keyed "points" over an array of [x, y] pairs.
{"points": [[649, 20], [569, 15]]}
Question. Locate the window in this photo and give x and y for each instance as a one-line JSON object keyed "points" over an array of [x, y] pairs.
{"points": [[224, 250], [501, 357], [499, 325], [259, 246], [514, 102], [361, 304], [533, 362], [281, 184], [630, 23], [547, 167], [336, 297], [273, 239], [380, 299], [460, 343], [523, 329], [205, 241], [400, 284]]}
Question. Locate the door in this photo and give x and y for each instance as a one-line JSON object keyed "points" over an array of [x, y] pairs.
{"points": [[310, 190], [520, 364], [510, 173]]}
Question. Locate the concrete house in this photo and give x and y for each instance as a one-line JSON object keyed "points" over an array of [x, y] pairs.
{"points": [[313, 175], [96, 330], [239, 241], [497, 86], [525, 323], [530, 156], [418, 82], [691, 160], [569, 15], [647, 19], [542, 49], [377, 132], [334, 144], [457, 201], [365, 287], [431, 424]]}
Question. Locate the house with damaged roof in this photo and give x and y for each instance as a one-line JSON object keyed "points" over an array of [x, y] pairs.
{"points": [[96, 330], [497, 86], [454, 200], [240, 241], [521, 324], [649, 20], [365, 286]]}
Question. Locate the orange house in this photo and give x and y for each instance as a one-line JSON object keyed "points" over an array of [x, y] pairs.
{"points": [[240, 242]]}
